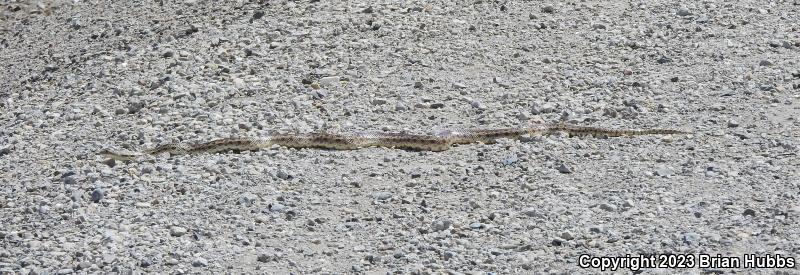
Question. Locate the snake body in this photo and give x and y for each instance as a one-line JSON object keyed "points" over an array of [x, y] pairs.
{"points": [[440, 141]]}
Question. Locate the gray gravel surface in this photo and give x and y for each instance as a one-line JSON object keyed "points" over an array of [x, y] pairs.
{"points": [[78, 77]]}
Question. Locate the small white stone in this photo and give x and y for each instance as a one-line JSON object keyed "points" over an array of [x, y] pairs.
{"points": [[177, 231], [200, 262], [328, 80], [238, 83]]}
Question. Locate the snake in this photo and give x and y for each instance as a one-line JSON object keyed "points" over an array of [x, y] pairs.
{"points": [[436, 142]]}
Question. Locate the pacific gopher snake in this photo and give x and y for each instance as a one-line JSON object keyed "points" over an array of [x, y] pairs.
{"points": [[431, 142]]}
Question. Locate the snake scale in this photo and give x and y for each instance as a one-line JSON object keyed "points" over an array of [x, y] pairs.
{"points": [[440, 141]]}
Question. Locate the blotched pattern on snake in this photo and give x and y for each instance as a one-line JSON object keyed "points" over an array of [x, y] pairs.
{"points": [[440, 141]]}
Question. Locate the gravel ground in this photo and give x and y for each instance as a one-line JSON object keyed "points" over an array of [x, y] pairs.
{"points": [[78, 77]]}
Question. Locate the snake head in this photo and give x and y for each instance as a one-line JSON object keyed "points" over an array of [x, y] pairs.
{"points": [[116, 155]]}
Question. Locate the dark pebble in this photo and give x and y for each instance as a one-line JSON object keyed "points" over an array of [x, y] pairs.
{"points": [[98, 194]]}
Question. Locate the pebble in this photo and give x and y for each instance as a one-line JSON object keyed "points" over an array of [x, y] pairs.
{"points": [[510, 160], [70, 180], [319, 94], [548, 9], [379, 101], [135, 106], [108, 258], [382, 196], [566, 235], [97, 110], [608, 207], [281, 174], [238, 83], [98, 194], [400, 107], [84, 265], [733, 124], [564, 169], [277, 207], [247, 199], [476, 225], [765, 63], [532, 212], [441, 224], [477, 105], [200, 262], [265, 258], [749, 212], [437, 105], [683, 11], [500, 82], [598, 26], [147, 169], [597, 229], [663, 171], [329, 80], [713, 167], [177, 231], [627, 204], [258, 14], [537, 108], [691, 238]]}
